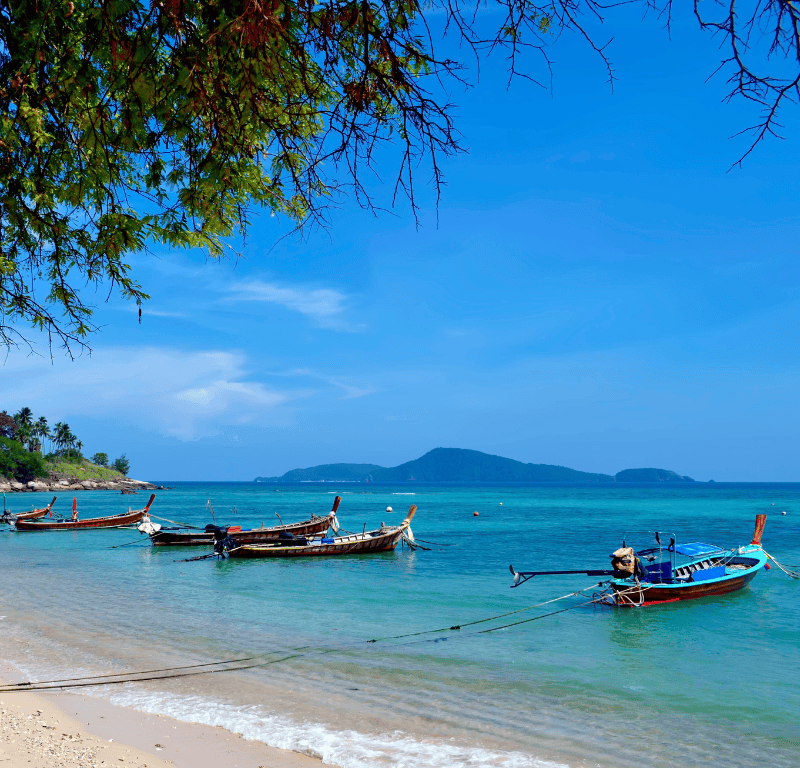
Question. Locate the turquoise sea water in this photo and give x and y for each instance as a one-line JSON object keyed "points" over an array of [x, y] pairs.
{"points": [[706, 682]]}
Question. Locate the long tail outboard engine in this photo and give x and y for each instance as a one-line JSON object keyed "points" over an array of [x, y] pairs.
{"points": [[222, 542], [288, 539]]}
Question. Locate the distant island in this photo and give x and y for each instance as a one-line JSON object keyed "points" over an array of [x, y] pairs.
{"points": [[651, 476], [458, 465]]}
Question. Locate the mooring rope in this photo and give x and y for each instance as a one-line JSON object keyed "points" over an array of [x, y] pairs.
{"points": [[95, 682], [292, 653], [26, 685], [788, 571], [298, 652], [138, 543], [176, 522], [478, 621], [534, 618]]}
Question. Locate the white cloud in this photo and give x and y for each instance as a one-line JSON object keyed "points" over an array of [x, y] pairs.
{"points": [[147, 310], [350, 389], [183, 394], [324, 305]]}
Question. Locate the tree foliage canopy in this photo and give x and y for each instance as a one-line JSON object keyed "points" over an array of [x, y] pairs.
{"points": [[127, 123], [18, 464]]}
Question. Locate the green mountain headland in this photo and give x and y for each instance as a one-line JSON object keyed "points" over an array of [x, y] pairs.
{"points": [[341, 472], [458, 465]]}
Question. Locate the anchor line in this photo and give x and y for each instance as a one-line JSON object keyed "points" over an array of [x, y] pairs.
{"points": [[27, 685], [93, 683], [293, 653], [479, 621], [786, 569], [176, 522]]}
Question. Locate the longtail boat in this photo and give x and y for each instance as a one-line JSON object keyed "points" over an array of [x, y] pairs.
{"points": [[654, 575], [10, 517], [114, 521], [384, 539], [315, 525]]}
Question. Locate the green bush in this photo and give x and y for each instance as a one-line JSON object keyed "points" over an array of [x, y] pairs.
{"points": [[122, 464], [18, 463], [101, 459]]}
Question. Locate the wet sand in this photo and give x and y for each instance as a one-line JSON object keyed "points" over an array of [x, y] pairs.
{"points": [[64, 730]]}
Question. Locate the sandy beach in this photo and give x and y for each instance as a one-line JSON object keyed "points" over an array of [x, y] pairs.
{"points": [[63, 730]]}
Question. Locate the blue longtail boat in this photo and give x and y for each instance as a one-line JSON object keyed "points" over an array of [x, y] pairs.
{"points": [[653, 575]]}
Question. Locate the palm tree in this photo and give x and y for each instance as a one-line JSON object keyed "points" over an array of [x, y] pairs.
{"points": [[62, 436], [42, 430], [25, 434], [24, 417], [71, 440]]}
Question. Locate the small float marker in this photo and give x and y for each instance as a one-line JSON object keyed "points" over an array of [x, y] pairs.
{"points": [[501, 503], [475, 514]]}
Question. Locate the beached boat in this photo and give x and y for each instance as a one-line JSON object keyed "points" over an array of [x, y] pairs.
{"points": [[653, 575], [11, 517], [383, 539], [130, 517], [241, 535]]}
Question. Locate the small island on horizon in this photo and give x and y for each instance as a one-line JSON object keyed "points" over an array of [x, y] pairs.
{"points": [[460, 465]]}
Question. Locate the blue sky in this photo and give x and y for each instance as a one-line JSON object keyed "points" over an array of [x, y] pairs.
{"points": [[600, 292]]}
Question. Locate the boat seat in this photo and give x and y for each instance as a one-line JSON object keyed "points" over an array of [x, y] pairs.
{"points": [[709, 573], [659, 573]]}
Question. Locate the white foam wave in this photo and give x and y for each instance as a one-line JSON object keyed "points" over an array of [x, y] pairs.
{"points": [[404, 494], [345, 748]]}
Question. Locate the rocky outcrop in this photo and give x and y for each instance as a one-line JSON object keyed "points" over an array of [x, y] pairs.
{"points": [[70, 483]]}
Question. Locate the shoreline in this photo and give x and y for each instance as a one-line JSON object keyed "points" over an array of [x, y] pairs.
{"points": [[73, 730], [76, 484]]}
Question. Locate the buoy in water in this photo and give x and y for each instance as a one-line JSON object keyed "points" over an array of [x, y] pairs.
{"points": [[501, 503], [783, 513], [475, 514], [388, 509]]}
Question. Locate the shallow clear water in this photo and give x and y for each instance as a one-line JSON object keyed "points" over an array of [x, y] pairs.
{"points": [[711, 681]]}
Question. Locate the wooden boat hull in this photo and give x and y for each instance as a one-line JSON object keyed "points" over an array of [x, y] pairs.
{"points": [[384, 544], [381, 540], [654, 595], [627, 593], [130, 517], [254, 536], [115, 521], [34, 514]]}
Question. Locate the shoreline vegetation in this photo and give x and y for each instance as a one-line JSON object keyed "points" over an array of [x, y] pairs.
{"points": [[459, 465], [24, 465]]}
